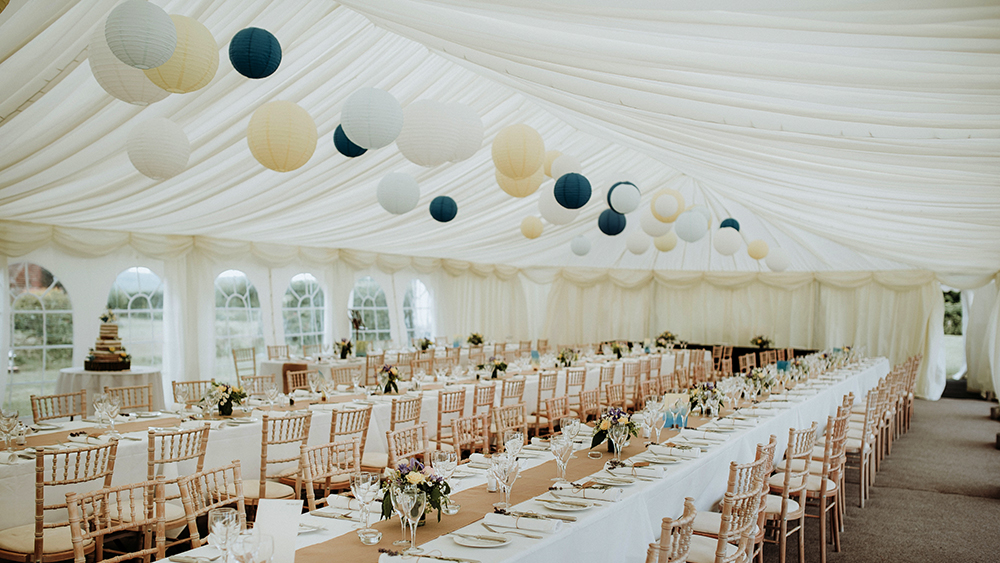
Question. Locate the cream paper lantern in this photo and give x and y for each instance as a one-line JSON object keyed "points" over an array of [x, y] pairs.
{"points": [[580, 245], [691, 226], [651, 225], [550, 209], [549, 157], [428, 136], [777, 260], [727, 241], [637, 242], [518, 151], [158, 148], [194, 62], [398, 193], [757, 249], [469, 131], [122, 81], [531, 227], [565, 164], [666, 243], [281, 135], [667, 205], [140, 34], [371, 118], [520, 188]]}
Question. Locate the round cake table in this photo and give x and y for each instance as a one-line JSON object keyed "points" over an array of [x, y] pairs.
{"points": [[73, 379]]}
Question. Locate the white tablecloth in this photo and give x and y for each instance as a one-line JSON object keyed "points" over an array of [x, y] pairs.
{"points": [[73, 379]]}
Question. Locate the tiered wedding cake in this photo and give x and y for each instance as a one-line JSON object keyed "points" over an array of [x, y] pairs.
{"points": [[108, 354]]}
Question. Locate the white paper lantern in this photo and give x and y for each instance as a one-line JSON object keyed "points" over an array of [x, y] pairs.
{"points": [[704, 213], [469, 131], [398, 193], [624, 197], [727, 241], [140, 34], [429, 136], [777, 260], [158, 148], [653, 226], [666, 243], [691, 226], [637, 242], [124, 82], [565, 164], [580, 245], [551, 210], [371, 118]]}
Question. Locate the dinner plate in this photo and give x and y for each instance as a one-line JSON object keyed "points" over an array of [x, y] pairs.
{"points": [[45, 426], [561, 506], [475, 542], [246, 420], [152, 414]]}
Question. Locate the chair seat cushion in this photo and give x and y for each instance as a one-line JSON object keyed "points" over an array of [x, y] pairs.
{"points": [[813, 483], [773, 506], [172, 511], [855, 417], [708, 522], [537, 419], [22, 540], [703, 549], [374, 459], [443, 446], [251, 489], [815, 466], [288, 472]]}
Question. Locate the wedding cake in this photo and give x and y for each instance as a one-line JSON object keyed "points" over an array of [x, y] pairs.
{"points": [[108, 353]]}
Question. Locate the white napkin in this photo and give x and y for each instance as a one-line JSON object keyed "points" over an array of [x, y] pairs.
{"points": [[702, 435], [613, 494], [301, 393], [523, 523], [674, 452], [536, 441], [90, 440], [348, 503], [479, 460], [652, 471]]}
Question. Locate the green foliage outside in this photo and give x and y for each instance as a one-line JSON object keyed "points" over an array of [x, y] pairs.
{"points": [[952, 312]]}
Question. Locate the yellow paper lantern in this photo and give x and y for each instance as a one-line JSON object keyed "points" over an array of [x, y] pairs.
{"points": [[194, 62], [549, 157], [666, 243], [521, 188], [518, 151], [281, 135], [531, 227], [757, 249], [662, 209]]}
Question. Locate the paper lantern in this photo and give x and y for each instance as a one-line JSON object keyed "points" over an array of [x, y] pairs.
{"points": [[520, 188], [777, 260], [255, 53], [703, 210], [666, 243], [397, 193], [757, 249], [371, 118], [469, 131], [158, 148], [140, 34], [443, 208], [733, 223], [518, 151], [637, 242], [194, 62], [611, 222], [652, 226], [122, 81], [572, 191], [345, 146], [727, 241], [580, 245], [667, 205], [550, 209], [691, 226], [281, 135], [428, 134], [549, 157], [624, 197], [564, 164], [531, 227]]}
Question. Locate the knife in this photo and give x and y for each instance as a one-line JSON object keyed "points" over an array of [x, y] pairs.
{"points": [[542, 516], [332, 515], [478, 537]]}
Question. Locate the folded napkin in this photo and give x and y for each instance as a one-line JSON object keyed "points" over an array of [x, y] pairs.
{"points": [[348, 503], [651, 471], [89, 440], [301, 393], [675, 450], [702, 435], [612, 494], [523, 522], [536, 441]]}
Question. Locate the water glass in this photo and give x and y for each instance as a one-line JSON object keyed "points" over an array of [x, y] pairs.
{"points": [[444, 464], [562, 449], [112, 407], [271, 393], [504, 468], [9, 419], [619, 435], [265, 548], [245, 547], [513, 441], [401, 504], [417, 504], [223, 528]]}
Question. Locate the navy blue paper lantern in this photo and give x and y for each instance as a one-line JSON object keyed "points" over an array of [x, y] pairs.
{"points": [[730, 223], [346, 146], [611, 222], [443, 208], [572, 190], [255, 53]]}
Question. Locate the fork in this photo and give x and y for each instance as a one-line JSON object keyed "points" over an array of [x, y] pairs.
{"points": [[518, 532]]}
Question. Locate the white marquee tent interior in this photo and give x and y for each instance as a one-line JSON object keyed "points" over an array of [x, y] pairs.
{"points": [[859, 139]]}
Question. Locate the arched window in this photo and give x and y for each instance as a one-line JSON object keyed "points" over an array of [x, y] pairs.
{"points": [[137, 299], [302, 310], [368, 298], [41, 335], [418, 311], [237, 319]]}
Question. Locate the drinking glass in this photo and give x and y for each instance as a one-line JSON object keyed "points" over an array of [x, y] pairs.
{"points": [[355, 380], [271, 393], [444, 464], [401, 503], [223, 527], [245, 546], [181, 397], [364, 491], [513, 441], [562, 449], [570, 427], [265, 548], [114, 403], [313, 382], [619, 435], [329, 387], [417, 505], [505, 469], [9, 419]]}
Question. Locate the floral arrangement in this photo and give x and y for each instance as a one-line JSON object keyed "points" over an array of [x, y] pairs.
{"points": [[616, 349], [665, 339], [412, 473], [761, 380], [475, 339], [224, 396], [424, 343], [389, 375], [122, 355], [495, 364], [344, 346], [612, 417], [566, 357], [705, 395], [760, 341], [109, 317]]}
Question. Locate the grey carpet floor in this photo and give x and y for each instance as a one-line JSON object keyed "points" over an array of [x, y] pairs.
{"points": [[936, 497]]}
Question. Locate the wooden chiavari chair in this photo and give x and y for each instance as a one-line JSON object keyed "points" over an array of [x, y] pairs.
{"points": [[174, 447], [789, 354], [279, 352], [576, 381], [590, 405], [344, 375], [346, 424], [537, 420], [614, 396], [373, 363], [668, 383], [245, 362], [511, 417], [408, 442], [499, 348], [483, 397], [748, 362], [451, 405], [556, 408], [312, 350], [48, 407], [328, 467], [256, 385], [735, 538], [292, 428], [782, 508], [716, 357], [299, 379], [452, 357], [140, 510], [191, 391], [780, 354], [476, 354], [471, 433], [403, 363], [630, 378], [606, 376], [424, 363], [647, 388], [213, 488], [675, 537], [405, 410], [543, 347], [861, 446], [512, 391], [655, 360], [133, 398]]}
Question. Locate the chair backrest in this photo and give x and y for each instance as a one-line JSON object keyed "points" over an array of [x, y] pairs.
{"points": [[47, 407], [655, 360], [91, 519], [403, 364], [614, 395], [800, 447], [576, 381], [483, 397], [320, 465], [373, 362], [644, 367], [675, 537], [607, 375], [351, 423], [631, 371], [451, 404], [213, 488], [405, 410], [278, 352], [542, 346], [193, 391], [748, 362], [408, 442], [512, 391], [174, 446], [245, 362], [512, 417], [727, 367], [299, 379], [647, 388], [134, 397], [425, 363], [835, 445], [471, 433], [293, 427], [256, 385], [344, 375], [781, 355], [740, 509], [311, 350], [476, 354], [556, 408], [547, 381], [499, 348], [590, 403]]}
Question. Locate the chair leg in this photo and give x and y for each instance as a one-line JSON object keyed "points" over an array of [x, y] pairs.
{"points": [[783, 541], [822, 529], [802, 535]]}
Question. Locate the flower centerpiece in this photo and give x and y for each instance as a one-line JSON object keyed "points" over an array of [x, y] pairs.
{"points": [[706, 397], [665, 339], [475, 339], [496, 365], [566, 357], [616, 349], [761, 379], [388, 376], [412, 473], [224, 396], [760, 341], [344, 346], [424, 343], [617, 425], [109, 316]]}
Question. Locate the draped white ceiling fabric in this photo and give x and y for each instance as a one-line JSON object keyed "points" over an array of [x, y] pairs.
{"points": [[857, 136]]}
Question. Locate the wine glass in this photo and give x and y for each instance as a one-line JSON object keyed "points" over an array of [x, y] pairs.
{"points": [[401, 503], [562, 449], [223, 527], [113, 405], [513, 441], [265, 548], [361, 488], [570, 427], [619, 435], [271, 393], [444, 464], [329, 387], [505, 469], [314, 382], [9, 419], [355, 380], [245, 546], [181, 397], [417, 505]]}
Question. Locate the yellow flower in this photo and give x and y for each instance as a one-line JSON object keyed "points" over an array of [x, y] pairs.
{"points": [[605, 424], [415, 478]]}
